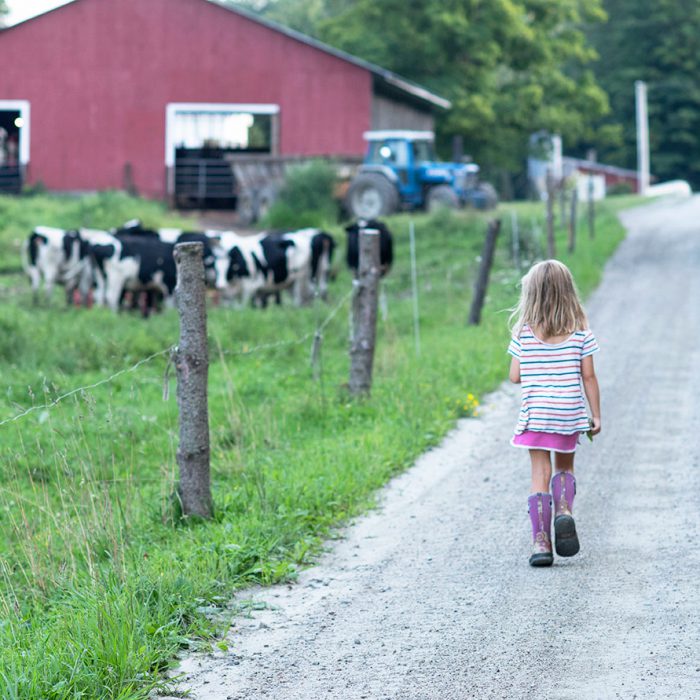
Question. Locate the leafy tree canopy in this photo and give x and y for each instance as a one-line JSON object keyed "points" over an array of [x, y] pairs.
{"points": [[510, 67], [657, 41]]}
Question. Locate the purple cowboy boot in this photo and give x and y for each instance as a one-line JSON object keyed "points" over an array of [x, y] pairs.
{"points": [[539, 506], [563, 491]]}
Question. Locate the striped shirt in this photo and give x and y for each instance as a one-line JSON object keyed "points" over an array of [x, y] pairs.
{"points": [[550, 377]]}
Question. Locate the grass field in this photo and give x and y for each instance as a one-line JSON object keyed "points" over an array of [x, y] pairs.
{"points": [[100, 582]]}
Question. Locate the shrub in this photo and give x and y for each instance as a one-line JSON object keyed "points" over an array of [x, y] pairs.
{"points": [[620, 188], [305, 198]]}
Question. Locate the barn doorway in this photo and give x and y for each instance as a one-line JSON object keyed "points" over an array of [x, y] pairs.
{"points": [[14, 145], [202, 144]]}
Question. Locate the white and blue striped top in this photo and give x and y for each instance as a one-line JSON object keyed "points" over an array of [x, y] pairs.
{"points": [[550, 377]]}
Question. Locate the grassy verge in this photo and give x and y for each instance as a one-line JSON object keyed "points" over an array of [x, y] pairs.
{"points": [[100, 584]]}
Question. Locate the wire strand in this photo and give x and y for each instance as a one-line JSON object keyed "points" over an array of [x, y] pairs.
{"points": [[258, 348], [111, 378]]}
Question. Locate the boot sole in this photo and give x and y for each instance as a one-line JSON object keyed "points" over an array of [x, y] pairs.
{"points": [[565, 537], [541, 559]]}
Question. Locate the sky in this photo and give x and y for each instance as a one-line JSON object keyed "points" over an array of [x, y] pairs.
{"points": [[23, 9]]}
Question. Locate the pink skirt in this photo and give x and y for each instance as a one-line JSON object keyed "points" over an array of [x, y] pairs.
{"points": [[546, 441]]}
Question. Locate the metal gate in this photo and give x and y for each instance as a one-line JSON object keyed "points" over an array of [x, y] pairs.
{"points": [[10, 179], [203, 181]]}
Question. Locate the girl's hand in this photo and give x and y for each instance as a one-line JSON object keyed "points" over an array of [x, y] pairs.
{"points": [[595, 425]]}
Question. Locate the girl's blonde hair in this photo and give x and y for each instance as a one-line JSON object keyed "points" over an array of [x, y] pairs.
{"points": [[549, 301]]}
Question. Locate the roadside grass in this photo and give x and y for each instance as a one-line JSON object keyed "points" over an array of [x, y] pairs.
{"points": [[100, 582]]}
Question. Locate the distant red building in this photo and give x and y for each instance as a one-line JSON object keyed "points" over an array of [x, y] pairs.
{"points": [[122, 94], [613, 175]]}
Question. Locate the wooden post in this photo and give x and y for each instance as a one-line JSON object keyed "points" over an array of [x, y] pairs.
{"points": [[591, 209], [551, 248], [515, 231], [364, 313], [192, 366], [562, 201], [414, 285], [482, 280], [572, 221]]}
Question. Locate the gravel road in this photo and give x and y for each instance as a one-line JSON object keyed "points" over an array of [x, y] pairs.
{"points": [[431, 596]]}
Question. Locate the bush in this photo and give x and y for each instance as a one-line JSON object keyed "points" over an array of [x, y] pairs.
{"points": [[620, 188], [305, 198]]}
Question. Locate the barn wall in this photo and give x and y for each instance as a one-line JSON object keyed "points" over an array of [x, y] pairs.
{"points": [[391, 114], [99, 74]]}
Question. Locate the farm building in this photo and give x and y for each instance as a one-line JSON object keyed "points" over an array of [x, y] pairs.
{"points": [[163, 97]]}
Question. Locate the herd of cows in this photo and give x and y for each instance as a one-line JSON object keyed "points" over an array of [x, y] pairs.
{"points": [[134, 267]]}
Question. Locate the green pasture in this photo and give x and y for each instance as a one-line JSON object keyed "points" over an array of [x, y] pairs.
{"points": [[100, 582]]}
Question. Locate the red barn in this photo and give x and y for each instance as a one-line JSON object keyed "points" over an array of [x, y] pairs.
{"points": [[123, 94]]}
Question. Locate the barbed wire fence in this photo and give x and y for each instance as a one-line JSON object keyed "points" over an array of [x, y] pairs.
{"points": [[526, 244], [320, 327]]}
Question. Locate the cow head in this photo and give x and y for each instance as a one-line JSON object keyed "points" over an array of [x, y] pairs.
{"points": [[230, 267]]}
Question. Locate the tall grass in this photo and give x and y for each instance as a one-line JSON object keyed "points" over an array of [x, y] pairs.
{"points": [[100, 582]]}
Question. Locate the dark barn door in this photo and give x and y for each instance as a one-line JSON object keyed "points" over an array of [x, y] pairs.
{"points": [[10, 168], [205, 142]]}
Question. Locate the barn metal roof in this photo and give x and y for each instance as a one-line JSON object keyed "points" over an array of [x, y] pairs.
{"points": [[383, 78], [382, 75]]}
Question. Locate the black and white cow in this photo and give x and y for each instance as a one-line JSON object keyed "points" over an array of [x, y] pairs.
{"points": [[174, 236], [250, 268], [139, 266], [309, 262], [54, 256], [386, 244]]}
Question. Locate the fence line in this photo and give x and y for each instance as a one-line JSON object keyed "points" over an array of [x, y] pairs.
{"points": [[294, 341], [58, 400], [168, 351]]}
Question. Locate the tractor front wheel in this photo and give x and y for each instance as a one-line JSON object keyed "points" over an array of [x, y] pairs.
{"points": [[370, 196]]}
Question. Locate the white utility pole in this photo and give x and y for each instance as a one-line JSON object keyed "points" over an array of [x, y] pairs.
{"points": [[640, 92]]}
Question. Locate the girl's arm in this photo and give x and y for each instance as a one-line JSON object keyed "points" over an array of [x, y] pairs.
{"points": [[514, 370], [590, 386]]}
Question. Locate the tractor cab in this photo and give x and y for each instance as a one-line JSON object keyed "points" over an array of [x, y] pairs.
{"points": [[401, 171]]}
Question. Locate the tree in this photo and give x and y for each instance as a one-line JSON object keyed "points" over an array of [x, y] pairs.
{"points": [[510, 67], [657, 41]]}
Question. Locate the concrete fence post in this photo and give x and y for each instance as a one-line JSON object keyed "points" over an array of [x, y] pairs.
{"points": [[192, 367], [482, 280], [364, 313]]}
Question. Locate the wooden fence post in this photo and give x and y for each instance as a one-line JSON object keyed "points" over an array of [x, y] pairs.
{"points": [[591, 209], [414, 284], [364, 313], [551, 248], [561, 184], [482, 280], [192, 366], [515, 233], [572, 221]]}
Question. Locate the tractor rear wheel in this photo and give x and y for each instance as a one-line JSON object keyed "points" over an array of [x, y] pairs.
{"points": [[442, 197], [370, 196], [487, 196]]}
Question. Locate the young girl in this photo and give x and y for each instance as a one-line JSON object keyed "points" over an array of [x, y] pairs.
{"points": [[552, 351]]}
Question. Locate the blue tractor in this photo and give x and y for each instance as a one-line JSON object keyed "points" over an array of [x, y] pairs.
{"points": [[400, 171]]}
